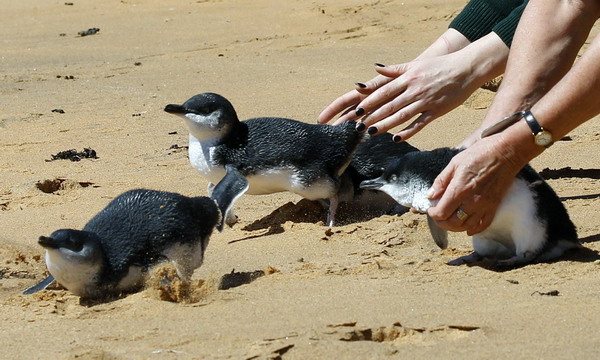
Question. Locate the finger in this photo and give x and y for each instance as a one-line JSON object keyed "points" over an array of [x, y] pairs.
{"points": [[484, 223], [441, 183], [340, 104], [380, 96], [448, 204], [395, 118], [347, 115], [473, 222], [348, 110], [451, 224], [416, 126], [392, 71], [373, 84]]}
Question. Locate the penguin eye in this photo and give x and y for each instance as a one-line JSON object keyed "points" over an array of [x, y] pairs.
{"points": [[75, 244], [393, 178], [205, 110]]}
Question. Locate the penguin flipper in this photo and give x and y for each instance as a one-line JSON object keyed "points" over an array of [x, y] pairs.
{"points": [[440, 236], [227, 191], [39, 286]]}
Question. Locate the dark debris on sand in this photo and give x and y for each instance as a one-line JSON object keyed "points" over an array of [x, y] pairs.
{"points": [[90, 31], [74, 155]]}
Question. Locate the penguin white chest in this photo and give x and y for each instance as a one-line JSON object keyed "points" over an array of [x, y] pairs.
{"points": [[76, 275], [200, 155], [410, 194], [516, 225], [286, 179]]}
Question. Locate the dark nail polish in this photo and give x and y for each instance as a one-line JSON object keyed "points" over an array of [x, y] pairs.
{"points": [[372, 130], [360, 127], [379, 64], [361, 85], [397, 138], [360, 112]]}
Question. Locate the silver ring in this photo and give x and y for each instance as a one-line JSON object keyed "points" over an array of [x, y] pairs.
{"points": [[463, 216]]}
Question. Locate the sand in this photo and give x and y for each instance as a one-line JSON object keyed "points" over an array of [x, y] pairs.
{"points": [[372, 288]]}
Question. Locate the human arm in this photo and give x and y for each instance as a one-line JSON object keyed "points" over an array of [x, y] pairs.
{"points": [[449, 42], [431, 87], [541, 55], [477, 178], [436, 86]]}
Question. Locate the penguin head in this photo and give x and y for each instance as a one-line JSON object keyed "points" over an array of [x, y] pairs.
{"points": [[399, 182], [207, 115], [75, 258]]}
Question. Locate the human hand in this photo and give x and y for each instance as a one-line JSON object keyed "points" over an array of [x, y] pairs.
{"points": [[430, 87], [346, 104], [475, 181]]}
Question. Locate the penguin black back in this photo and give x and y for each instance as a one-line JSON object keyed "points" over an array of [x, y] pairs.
{"points": [[263, 143], [560, 226], [136, 227], [134, 232], [426, 165]]}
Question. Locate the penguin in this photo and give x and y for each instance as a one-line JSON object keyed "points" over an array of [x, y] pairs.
{"points": [[369, 161], [531, 224], [134, 232], [273, 154]]}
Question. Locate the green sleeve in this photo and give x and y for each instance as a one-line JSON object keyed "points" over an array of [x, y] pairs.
{"points": [[480, 17], [506, 27]]}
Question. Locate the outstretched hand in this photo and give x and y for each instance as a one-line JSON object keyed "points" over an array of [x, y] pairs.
{"points": [[428, 87]]}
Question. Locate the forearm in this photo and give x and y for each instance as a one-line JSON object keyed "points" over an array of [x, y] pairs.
{"points": [[487, 58], [542, 52], [574, 100], [449, 42]]}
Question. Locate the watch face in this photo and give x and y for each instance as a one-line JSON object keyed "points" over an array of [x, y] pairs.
{"points": [[543, 138]]}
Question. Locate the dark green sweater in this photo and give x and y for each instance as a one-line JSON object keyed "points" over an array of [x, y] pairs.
{"points": [[480, 17]]}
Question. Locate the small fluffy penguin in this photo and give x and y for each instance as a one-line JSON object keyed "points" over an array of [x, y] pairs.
{"points": [[531, 224], [273, 154], [137, 230]]}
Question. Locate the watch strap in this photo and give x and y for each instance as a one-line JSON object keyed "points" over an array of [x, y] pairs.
{"points": [[532, 122]]}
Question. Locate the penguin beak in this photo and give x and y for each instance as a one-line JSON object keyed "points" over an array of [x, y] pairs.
{"points": [[175, 109], [374, 184], [47, 242]]}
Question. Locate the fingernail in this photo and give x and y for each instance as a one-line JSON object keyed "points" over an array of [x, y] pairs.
{"points": [[379, 64], [397, 138], [360, 112], [430, 193], [360, 85], [360, 127], [372, 130]]}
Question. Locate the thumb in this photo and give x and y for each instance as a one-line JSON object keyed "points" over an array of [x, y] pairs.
{"points": [[392, 70], [441, 182]]}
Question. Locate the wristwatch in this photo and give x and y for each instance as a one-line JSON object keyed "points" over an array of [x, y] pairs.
{"points": [[541, 137]]}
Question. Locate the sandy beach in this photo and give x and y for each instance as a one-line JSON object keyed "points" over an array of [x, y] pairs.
{"points": [[371, 288]]}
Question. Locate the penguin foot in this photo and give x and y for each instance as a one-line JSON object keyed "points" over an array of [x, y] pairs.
{"points": [[333, 205], [42, 285], [467, 259], [231, 219], [517, 260]]}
